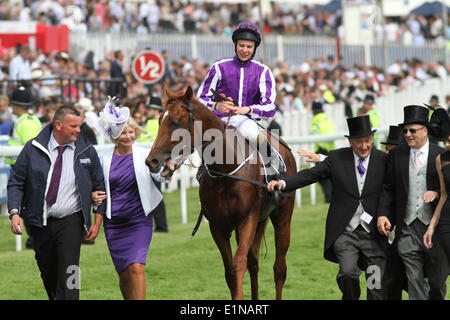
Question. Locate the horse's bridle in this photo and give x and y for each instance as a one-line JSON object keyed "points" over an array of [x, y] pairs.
{"points": [[188, 108]]}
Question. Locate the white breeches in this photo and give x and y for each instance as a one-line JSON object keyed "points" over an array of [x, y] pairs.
{"points": [[246, 126]]}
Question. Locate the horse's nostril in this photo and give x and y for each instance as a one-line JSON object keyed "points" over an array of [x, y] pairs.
{"points": [[151, 163]]}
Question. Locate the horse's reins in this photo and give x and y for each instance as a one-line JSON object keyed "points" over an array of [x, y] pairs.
{"points": [[219, 97]]}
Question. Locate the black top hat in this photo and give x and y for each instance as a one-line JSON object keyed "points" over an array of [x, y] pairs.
{"points": [[439, 125], [317, 107], [359, 127], [394, 136], [415, 114], [21, 97], [155, 103]]}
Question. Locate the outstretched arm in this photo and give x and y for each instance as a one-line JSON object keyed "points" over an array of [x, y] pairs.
{"points": [[311, 156], [427, 237]]}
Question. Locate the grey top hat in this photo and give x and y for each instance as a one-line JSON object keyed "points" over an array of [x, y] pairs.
{"points": [[359, 127]]}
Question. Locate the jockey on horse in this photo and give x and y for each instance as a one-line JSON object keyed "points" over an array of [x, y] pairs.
{"points": [[247, 90]]}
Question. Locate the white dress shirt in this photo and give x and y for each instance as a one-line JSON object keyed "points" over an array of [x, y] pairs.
{"points": [[68, 199]]}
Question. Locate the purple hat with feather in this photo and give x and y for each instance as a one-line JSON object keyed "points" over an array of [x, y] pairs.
{"points": [[113, 118]]}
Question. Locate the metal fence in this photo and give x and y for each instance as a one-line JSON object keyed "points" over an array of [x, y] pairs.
{"points": [[292, 49]]}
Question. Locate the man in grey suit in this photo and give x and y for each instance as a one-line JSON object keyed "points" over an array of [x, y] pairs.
{"points": [[409, 196], [351, 238]]}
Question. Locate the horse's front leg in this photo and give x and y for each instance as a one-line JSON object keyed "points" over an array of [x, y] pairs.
{"points": [[223, 243], [246, 232]]}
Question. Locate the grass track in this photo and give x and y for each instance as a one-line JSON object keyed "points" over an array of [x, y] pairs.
{"points": [[180, 267]]}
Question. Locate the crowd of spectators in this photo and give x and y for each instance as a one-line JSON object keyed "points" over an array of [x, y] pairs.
{"points": [[215, 18], [324, 79]]}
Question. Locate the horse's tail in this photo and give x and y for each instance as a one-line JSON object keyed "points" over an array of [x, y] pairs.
{"points": [[197, 225]]}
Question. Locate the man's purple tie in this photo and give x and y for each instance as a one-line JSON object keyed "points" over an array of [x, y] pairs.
{"points": [[360, 167], [52, 192]]}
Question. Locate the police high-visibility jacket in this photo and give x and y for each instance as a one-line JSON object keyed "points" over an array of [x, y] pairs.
{"points": [[374, 123], [322, 125], [374, 118], [26, 127], [151, 128]]}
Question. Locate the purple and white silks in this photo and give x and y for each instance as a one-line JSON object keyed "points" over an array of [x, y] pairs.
{"points": [[250, 84]]}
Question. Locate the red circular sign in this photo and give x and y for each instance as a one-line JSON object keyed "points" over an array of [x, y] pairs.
{"points": [[148, 67]]}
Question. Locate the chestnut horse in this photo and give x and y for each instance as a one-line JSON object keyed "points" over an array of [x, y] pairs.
{"points": [[228, 204]]}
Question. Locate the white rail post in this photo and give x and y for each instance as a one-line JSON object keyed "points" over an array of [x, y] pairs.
{"points": [[18, 242], [183, 195]]}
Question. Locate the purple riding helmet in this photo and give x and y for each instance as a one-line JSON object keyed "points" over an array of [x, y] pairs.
{"points": [[247, 31]]}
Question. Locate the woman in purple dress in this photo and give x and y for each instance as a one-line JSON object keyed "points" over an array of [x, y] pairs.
{"points": [[131, 196]]}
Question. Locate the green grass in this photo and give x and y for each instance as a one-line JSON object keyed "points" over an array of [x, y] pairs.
{"points": [[180, 267]]}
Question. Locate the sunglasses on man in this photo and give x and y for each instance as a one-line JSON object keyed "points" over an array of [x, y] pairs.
{"points": [[412, 130]]}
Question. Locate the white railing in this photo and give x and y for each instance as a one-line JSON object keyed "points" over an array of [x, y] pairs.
{"points": [[185, 177]]}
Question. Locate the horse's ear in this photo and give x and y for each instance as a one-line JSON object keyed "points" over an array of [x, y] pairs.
{"points": [[167, 91], [189, 93]]}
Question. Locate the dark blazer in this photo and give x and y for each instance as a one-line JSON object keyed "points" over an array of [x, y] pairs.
{"points": [[116, 88], [29, 175], [394, 196], [339, 167]]}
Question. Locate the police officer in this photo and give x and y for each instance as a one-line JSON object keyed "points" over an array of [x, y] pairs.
{"points": [[153, 111], [373, 114], [433, 105], [26, 127], [321, 125]]}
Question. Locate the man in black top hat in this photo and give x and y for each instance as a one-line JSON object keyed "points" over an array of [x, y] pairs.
{"points": [[394, 138], [409, 196], [351, 237], [395, 270]]}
